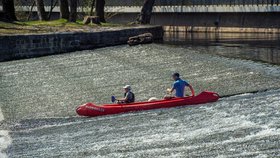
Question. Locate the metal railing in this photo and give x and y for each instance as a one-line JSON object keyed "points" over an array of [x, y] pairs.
{"points": [[193, 2], [167, 2]]}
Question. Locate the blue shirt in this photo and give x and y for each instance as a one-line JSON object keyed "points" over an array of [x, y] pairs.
{"points": [[179, 86]]}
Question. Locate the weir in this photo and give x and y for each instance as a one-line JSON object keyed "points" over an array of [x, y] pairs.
{"points": [[44, 93], [38, 96]]}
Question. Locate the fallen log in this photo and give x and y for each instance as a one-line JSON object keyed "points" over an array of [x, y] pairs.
{"points": [[140, 39]]}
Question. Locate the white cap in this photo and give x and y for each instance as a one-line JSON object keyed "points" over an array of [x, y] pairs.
{"points": [[127, 87]]}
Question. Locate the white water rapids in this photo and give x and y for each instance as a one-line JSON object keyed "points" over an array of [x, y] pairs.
{"points": [[38, 98]]}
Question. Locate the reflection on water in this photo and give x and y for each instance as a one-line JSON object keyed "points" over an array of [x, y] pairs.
{"points": [[257, 47]]}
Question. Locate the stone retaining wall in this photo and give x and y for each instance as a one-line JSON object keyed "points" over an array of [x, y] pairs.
{"points": [[27, 46]]}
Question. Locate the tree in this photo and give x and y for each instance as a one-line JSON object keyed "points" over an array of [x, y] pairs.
{"points": [[146, 12], [31, 10], [73, 10], [64, 9], [53, 4], [91, 7], [41, 10], [99, 9], [9, 10]]}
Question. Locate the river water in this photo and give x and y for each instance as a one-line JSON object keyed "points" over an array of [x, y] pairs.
{"points": [[38, 98]]}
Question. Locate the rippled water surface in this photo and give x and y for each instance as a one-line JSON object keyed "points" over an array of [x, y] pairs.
{"points": [[38, 98]]}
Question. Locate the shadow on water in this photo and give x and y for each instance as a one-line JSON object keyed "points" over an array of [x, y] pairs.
{"points": [[250, 46]]}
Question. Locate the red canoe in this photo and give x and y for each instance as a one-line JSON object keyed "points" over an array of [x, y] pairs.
{"points": [[89, 109]]}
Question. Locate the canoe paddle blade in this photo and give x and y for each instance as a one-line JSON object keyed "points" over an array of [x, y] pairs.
{"points": [[113, 99]]}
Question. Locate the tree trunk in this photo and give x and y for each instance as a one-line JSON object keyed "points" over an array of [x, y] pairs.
{"points": [[91, 7], [99, 9], [31, 11], [53, 4], [9, 10], [73, 10], [41, 10], [64, 9], [146, 12]]}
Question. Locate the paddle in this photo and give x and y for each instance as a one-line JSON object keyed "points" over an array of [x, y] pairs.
{"points": [[113, 99]]}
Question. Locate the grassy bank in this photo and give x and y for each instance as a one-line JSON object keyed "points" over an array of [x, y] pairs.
{"points": [[60, 25]]}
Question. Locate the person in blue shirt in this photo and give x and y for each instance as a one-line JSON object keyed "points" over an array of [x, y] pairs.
{"points": [[179, 86]]}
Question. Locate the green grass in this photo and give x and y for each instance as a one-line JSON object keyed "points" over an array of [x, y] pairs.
{"points": [[5, 24], [63, 22], [52, 23], [44, 23], [60, 25], [111, 25]]}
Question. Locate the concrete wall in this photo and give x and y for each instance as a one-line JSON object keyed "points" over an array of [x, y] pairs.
{"points": [[230, 13], [251, 20], [172, 9], [206, 30], [165, 2], [27, 46], [246, 20]]}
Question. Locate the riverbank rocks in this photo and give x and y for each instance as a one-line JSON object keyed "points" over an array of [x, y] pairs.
{"points": [[140, 39], [91, 20]]}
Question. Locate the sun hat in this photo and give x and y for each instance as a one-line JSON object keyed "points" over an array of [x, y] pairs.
{"points": [[127, 87]]}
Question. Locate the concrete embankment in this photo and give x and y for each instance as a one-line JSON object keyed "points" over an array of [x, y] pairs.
{"points": [[26, 46], [220, 29], [228, 19]]}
